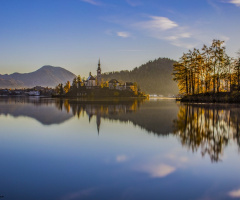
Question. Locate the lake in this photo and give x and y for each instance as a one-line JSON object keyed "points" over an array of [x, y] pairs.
{"points": [[154, 149]]}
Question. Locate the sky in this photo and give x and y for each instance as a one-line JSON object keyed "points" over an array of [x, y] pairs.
{"points": [[124, 34]]}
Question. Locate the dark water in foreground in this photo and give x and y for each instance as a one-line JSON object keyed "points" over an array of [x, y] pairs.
{"points": [[70, 150]]}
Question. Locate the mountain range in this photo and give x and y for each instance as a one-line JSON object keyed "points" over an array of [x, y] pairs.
{"points": [[46, 76], [153, 77]]}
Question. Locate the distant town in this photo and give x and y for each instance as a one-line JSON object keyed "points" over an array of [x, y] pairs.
{"points": [[36, 91]]}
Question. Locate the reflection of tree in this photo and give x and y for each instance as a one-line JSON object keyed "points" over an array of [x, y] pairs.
{"points": [[209, 127]]}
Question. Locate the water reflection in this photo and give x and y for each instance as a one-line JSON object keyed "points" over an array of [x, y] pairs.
{"points": [[209, 127], [44, 109], [205, 127], [100, 109], [154, 118]]}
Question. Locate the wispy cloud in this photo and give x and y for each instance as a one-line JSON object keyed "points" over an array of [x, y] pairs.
{"points": [[235, 2], [134, 3], [214, 5], [93, 2], [123, 34], [157, 23], [234, 193], [131, 50], [165, 29]]}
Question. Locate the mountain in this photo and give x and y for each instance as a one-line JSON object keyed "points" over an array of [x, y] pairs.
{"points": [[45, 76], [154, 77], [9, 83]]}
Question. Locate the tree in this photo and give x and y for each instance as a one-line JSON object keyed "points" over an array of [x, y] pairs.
{"points": [[181, 75], [237, 72], [59, 89], [198, 72], [67, 87], [207, 62], [79, 81], [74, 85], [217, 57]]}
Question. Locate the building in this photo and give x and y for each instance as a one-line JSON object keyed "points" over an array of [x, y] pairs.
{"points": [[96, 82], [90, 82], [99, 76], [129, 86], [113, 84]]}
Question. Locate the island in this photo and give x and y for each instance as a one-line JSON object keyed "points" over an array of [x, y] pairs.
{"points": [[96, 87]]}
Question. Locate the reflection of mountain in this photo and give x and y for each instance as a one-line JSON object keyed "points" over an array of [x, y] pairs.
{"points": [[208, 127], [43, 111]]}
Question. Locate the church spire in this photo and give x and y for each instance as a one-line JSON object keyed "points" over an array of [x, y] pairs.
{"points": [[99, 64]]}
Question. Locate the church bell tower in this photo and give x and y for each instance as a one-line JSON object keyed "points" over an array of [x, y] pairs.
{"points": [[99, 76]]}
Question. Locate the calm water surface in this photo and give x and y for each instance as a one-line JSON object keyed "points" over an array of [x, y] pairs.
{"points": [[157, 149]]}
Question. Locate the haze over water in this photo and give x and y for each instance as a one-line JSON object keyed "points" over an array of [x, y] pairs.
{"points": [[157, 149]]}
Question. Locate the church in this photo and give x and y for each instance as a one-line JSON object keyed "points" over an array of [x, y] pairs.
{"points": [[95, 82], [91, 81]]}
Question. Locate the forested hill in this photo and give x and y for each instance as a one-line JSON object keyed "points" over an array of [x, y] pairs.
{"points": [[154, 77]]}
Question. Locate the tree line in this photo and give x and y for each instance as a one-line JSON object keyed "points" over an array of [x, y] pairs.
{"points": [[77, 84], [153, 77], [207, 70]]}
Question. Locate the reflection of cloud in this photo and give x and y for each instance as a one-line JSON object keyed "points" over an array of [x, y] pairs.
{"points": [[181, 159], [235, 2], [78, 195], [235, 193], [123, 34], [159, 171], [121, 158], [93, 2]]}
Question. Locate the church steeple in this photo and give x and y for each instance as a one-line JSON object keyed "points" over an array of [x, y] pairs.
{"points": [[99, 65], [99, 77]]}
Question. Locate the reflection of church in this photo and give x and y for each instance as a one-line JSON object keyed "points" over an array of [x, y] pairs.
{"points": [[92, 110], [105, 111]]}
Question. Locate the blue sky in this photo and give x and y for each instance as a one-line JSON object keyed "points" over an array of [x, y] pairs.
{"points": [[74, 34]]}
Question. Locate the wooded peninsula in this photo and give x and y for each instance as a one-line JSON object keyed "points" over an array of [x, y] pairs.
{"points": [[208, 75]]}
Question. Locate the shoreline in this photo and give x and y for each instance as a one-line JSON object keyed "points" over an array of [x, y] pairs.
{"points": [[221, 97]]}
